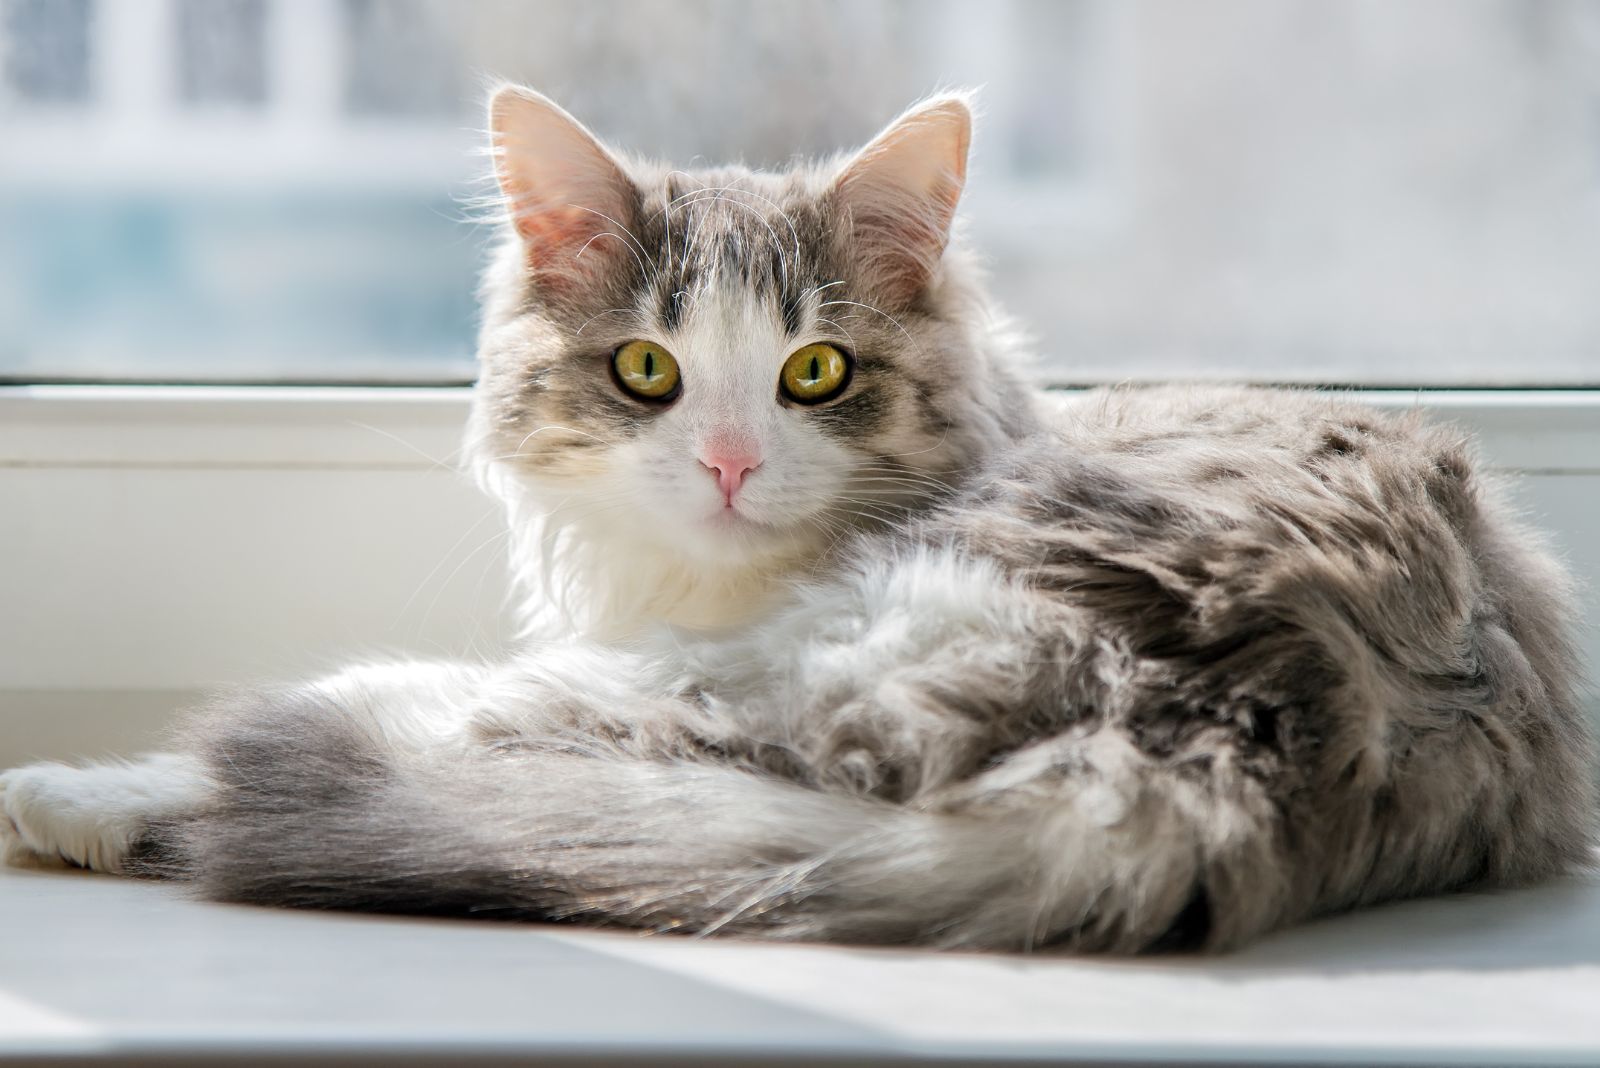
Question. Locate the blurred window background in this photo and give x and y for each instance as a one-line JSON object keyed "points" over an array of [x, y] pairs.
{"points": [[1282, 190]]}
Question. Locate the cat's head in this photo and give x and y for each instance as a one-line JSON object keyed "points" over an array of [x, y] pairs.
{"points": [[722, 370]]}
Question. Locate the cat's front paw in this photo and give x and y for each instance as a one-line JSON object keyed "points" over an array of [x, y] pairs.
{"points": [[32, 832], [89, 817]]}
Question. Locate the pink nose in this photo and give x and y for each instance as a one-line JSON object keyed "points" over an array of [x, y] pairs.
{"points": [[730, 467]]}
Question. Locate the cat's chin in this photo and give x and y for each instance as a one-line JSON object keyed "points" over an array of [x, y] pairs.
{"points": [[733, 536], [730, 524], [736, 520]]}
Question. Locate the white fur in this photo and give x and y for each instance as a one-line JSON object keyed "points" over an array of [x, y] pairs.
{"points": [[91, 816], [413, 704]]}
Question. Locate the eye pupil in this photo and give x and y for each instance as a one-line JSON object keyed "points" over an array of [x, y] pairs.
{"points": [[816, 369], [649, 365]]}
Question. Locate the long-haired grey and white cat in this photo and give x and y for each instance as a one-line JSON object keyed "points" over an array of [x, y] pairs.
{"points": [[839, 630]]}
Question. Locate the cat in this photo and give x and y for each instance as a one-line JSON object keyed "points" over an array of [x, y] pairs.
{"points": [[834, 628]]}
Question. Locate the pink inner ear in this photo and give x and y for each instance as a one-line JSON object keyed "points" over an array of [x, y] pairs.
{"points": [[561, 239], [564, 243]]}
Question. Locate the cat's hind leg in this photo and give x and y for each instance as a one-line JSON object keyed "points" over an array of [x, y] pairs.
{"points": [[93, 816]]}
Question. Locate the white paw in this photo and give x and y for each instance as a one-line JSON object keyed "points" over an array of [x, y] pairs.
{"points": [[89, 817], [15, 847]]}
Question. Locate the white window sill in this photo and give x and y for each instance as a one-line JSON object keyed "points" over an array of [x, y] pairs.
{"points": [[98, 970]]}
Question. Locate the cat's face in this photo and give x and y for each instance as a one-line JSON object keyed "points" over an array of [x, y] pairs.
{"points": [[740, 365]]}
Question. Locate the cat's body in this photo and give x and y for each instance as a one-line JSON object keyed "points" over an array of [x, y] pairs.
{"points": [[908, 654]]}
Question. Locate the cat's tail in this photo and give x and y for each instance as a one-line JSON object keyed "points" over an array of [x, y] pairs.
{"points": [[318, 811]]}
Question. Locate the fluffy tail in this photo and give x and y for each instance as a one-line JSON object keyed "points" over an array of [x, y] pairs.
{"points": [[320, 811]]}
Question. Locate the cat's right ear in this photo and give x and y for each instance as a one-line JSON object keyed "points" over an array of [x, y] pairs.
{"points": [[566, 194]]}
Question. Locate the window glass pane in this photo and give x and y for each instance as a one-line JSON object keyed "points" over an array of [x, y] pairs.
{"points": [[1350, 193], [46, 49], [222, 51], [1054, 42], [397, 58]]}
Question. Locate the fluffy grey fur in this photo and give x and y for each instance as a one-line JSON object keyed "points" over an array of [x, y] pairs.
{"points": [[1141, 669]]}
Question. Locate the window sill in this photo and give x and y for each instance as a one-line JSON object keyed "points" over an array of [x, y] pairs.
{"points": [[101, 971], [243, 427]]}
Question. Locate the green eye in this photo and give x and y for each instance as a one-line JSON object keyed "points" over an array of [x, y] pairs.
{"points": [[646, 370], [814, 374]]}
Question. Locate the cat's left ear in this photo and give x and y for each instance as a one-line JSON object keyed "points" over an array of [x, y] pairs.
{"points": [[900, 193]]}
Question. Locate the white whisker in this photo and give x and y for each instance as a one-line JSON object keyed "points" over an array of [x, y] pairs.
{"points": [[870, 308]]}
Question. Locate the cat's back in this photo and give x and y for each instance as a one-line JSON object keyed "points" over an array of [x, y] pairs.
{"points": [[1290, 466], [1217, 444], [1186, 521]]}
